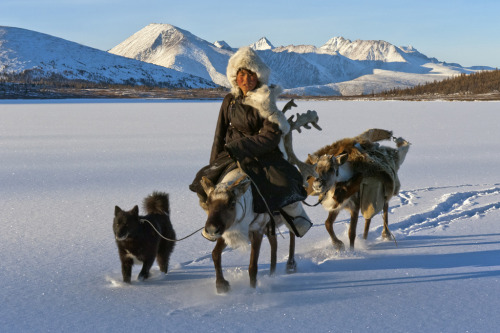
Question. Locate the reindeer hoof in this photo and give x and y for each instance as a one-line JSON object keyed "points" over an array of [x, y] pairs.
{"points": [[222, 287], [339, 246], [291, 267], [387, 236]]}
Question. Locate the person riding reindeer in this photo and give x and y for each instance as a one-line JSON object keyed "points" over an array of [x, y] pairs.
{"points": [[249, 134]]}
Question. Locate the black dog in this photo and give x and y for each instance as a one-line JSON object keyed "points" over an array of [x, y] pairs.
{"points": [[137, 240]]}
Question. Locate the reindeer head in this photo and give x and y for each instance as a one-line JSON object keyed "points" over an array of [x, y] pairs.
{"points": [[327, 167], [221, 205]]}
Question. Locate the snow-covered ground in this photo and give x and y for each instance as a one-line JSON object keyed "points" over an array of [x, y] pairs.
{"points": [[66, 164]]}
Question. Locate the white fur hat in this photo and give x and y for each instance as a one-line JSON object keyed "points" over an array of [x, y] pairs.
{"points": [[246, 58]]}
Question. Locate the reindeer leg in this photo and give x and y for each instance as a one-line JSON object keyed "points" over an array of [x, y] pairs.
{"points": [[337, 243], [220, 283], [386, 233], [353, 224], [274, 250], [256, 241], [291, 265], [367, 227]]}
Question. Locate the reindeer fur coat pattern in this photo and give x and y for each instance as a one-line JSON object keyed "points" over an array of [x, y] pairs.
{"points": [[249, 130], [369, 158]]}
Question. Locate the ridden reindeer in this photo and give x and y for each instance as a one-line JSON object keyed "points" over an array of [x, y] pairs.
{"points": [[232, 221], [357, 174]]}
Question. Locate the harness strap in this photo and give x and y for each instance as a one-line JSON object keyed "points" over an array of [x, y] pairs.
{"points": [[320, 199], [289, 219]]}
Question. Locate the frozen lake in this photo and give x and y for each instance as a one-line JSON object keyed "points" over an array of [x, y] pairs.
{"points": [[66, 164]]}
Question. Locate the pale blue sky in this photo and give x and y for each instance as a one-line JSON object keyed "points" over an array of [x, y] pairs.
{"points": [[462, 31]]}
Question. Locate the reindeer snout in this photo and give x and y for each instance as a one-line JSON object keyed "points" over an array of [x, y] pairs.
{"points": [[318, 185], [211, 232]]}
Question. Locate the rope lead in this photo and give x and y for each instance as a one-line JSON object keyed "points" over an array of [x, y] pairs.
{"points": [[165, 238]]}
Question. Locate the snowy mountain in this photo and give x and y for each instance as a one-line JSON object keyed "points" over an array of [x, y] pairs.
{"points": [[262, 44], [171, 47], [339, 67], [222, 45], [43, 55], [163, 54], [364, 50]]}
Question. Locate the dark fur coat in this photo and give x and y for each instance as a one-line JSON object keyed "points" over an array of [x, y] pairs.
{"points": [[252, 137]]}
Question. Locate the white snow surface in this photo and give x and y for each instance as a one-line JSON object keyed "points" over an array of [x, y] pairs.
{"points": [[66, 164]]}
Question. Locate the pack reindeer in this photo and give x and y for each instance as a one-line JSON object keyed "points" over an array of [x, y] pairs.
{"points": [[232, 221], [357, 174]]}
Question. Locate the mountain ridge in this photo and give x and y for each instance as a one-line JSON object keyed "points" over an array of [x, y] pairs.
{"points": [[181, 59], [338, 67]]}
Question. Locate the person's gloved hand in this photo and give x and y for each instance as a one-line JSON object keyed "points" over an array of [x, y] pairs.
{"points": [[235, 151]]}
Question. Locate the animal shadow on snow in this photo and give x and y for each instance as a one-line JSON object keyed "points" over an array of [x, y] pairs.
{"points": [[399, 261]]}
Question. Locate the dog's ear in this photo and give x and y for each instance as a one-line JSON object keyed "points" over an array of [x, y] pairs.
{"points": [[117, 210], [135, 210]]}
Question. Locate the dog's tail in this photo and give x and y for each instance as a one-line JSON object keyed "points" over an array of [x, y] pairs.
{"points": [[156, 203]]}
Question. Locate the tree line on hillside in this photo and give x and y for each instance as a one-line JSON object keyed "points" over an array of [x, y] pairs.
{"points": [[482, 82], [29, 84], [31, 78], [36, 78]]}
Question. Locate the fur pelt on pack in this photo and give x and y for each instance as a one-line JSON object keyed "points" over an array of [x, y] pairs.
{"points": [[369, 158]]}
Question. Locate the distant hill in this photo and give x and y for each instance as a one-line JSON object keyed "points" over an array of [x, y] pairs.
{"points": [[483, 82], [32, 55]]}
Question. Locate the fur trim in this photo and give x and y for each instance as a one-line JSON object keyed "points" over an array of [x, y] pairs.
{"points": [[246, 58], [264, 100]]}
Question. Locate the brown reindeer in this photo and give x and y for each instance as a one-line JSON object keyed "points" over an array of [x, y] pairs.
{"points": [[232, 221], [357, 174]]}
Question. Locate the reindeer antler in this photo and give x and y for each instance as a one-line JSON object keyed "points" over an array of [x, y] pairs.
{"points": [[288, 106], [303, 120]]}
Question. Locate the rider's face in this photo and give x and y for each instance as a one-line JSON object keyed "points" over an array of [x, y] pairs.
{"points": [[246, 80]]}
